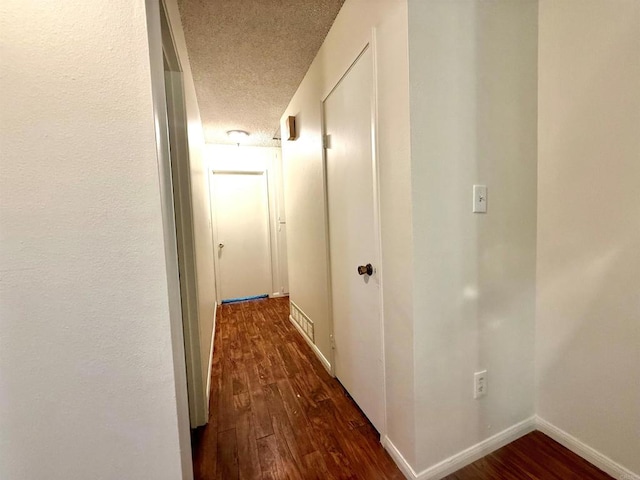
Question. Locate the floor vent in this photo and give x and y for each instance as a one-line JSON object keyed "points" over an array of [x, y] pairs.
{"points": [[304, 322]]}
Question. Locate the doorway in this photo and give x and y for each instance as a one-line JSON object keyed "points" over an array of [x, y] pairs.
{"points": [[241, 234], [354, 238], [178, 179]]}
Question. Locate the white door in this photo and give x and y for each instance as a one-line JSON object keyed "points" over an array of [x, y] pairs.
{"points": [[353, 239], [240, 209]]}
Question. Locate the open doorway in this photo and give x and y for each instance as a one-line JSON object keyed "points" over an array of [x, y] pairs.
{"points": [[183, 214]]}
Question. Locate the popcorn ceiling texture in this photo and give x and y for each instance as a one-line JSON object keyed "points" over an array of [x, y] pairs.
{"points": [[248, 58]]}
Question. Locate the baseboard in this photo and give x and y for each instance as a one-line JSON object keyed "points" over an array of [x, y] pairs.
{"points": [[397, 457], [465, 457], [213, 336], [325, 363], [591, 455]]}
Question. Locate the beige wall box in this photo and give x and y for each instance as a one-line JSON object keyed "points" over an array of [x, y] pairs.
{"points": [[291, 128]]}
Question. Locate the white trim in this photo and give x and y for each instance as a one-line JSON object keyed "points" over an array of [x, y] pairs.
{"points": [[154, 11], [583, 450], [397, 457], [463, 458], [377, 217], [321, 357], [327, 243], [213, 336]]}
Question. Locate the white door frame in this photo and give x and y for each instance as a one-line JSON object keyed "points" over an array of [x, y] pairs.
{"points": [[369, 43], [214, 225], [196, 387], [156, 14]]}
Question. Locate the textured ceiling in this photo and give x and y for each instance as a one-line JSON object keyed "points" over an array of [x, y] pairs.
{"points": [[248, 58]]}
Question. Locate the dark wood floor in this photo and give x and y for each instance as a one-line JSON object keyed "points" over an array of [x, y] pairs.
{"points": [[534, 456], [275, 412]]}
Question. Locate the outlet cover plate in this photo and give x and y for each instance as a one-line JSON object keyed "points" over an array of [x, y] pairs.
{"points": [[480, 384]]}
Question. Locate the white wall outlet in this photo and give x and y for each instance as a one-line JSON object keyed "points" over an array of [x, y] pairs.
{"points": [[480, 384], [479, 199]]}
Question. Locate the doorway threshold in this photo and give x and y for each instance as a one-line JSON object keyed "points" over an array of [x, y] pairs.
{"points": [[245, 299]]}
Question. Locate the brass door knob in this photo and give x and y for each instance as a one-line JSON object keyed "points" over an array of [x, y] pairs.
{"points": [[365, 269]]}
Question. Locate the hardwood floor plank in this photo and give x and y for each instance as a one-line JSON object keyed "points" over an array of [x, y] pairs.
{"points": [[248, 457], [533, 456], [205, 457], [239, 381], [265, 373], [315, 467], [268, 454], [324, 434], [287, 461], [226, 414], [214, 400], [289, 366], [297, 418], [227, 464], [259, 411]]}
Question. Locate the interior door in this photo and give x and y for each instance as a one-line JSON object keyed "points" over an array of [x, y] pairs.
{"points": [[353, 239], [240, 207]]}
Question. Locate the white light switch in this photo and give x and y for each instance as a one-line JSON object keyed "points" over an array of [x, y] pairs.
{"points": [[479, 199]]}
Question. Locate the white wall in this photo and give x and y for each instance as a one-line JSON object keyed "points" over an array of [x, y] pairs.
{"points": [[588, 308], [199, 182], [234, 158], [87, 387], [473, 84], [304, 191]]}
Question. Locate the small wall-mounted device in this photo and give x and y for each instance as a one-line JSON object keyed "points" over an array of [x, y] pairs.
{"points": [[480, 384], [479, 199], [292, 133]]}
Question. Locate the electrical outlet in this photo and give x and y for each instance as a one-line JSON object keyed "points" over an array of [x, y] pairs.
{"points": [[480, 384]]}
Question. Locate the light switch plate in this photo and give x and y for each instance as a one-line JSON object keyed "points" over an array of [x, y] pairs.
{"points": [[479, 199]]}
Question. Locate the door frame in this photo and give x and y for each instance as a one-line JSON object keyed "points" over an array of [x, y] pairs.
{"points": [[369, 43], [181, 182], [157, 21], [214, 225]]}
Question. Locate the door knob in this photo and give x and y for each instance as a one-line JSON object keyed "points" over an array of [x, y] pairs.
{"points": [[365, 269], [221, 245]]}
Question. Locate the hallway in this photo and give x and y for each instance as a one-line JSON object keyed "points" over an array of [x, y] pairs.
{"points": [[275, 411]]}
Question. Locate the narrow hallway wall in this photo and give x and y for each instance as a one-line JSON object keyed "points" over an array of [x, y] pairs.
{"points": [[87, 383], [588, 307], [473, 77]]}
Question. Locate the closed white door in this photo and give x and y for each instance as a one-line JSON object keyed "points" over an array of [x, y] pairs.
{"points": [[240, 209], [353, 239]]}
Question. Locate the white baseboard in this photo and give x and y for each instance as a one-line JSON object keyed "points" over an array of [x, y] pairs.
{"points": [[463, 458], [325, 363], [213, 336], [591, 455], [470, 455], [397, 457]]}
